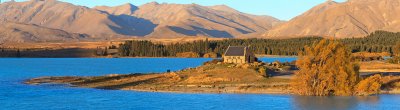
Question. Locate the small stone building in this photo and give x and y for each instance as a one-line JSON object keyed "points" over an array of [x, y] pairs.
{"points": [[238, 55]]}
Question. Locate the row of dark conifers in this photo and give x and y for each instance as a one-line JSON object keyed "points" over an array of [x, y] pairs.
{"points": [[47, 53]]}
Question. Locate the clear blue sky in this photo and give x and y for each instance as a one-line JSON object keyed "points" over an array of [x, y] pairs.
{"points": [[281, 9]]}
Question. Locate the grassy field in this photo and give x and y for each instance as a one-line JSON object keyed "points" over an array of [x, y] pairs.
{"points": [[379, 66]]}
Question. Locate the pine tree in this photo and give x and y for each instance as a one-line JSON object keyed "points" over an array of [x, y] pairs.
{"points": [[396, 53], [396, 49], [18, 54], [370, 43]]}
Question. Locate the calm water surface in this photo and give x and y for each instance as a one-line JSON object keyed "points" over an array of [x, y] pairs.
{"points": [[15, 95]]}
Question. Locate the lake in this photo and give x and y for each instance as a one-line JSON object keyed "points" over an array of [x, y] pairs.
{"points": [[15, 95]]}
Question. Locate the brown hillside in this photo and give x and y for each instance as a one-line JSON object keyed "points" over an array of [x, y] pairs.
{"points": [[190, 20], [151, 20], [72, 18], [354, 18], [25, 33]]}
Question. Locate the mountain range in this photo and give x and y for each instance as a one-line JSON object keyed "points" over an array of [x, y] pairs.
{"points": [[354, 18], [56, 21], [183, 20], [152, 20]]}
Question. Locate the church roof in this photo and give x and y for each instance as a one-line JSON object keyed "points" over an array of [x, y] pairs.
{"points": [[235, 51]]}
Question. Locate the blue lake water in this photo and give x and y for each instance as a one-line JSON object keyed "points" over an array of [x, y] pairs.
{"points": [[15, 95]]}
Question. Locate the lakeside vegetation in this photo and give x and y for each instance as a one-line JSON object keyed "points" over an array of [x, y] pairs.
{"points": [[47, 53], [378, 42], [259, 46], [327, 69]]}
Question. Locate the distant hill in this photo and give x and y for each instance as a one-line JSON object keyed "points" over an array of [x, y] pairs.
{"points": [[26, 33], [72, 18], [354, 18]]}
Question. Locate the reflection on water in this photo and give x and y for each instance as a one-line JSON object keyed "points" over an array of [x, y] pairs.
{"points": [[370, 99], [331, 103]]}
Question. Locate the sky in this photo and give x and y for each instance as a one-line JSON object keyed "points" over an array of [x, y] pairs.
{"points": [[281, 9]]}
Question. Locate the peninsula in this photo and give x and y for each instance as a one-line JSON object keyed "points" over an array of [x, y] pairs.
{"points": [[212, 77], [209, 78]]}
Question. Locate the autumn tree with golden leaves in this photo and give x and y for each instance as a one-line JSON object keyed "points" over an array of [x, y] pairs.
{"points": [[369, 86], [326, 69]]}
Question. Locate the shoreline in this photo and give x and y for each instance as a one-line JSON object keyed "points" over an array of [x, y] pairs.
{"points": [[213, 78], [268, 56], [217, 78], [179, 92], [191, 89], [272, 56], [197, 91]]}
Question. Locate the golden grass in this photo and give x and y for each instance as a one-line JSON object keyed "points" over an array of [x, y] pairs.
{"points": [[379, 66]]}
